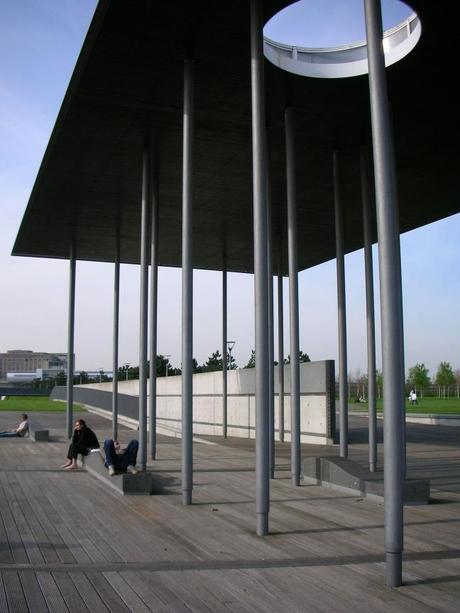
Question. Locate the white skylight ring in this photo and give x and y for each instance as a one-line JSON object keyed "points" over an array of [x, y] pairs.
{"points": [[346, 60]]}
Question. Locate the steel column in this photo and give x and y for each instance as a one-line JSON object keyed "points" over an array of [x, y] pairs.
{"points": [[153, 316], [116, 318], [270, 331], [260, 267], [370, 314], [390, 296], [271, 359], [224, 351], [70, 342], [293, 295], [187, 286], [144, 299], [341, 309], [280, 356]]}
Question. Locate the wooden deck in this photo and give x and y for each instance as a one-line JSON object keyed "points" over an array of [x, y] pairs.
{"points": [[68, 544]]}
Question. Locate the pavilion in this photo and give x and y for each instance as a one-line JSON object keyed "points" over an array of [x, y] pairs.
{"points": [[177, 144]]}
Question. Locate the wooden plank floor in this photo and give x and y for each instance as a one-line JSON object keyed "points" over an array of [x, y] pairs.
{"points": [[69, 544]]}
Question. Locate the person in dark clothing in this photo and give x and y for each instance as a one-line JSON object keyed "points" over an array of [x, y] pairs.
{"points": [[123, 461], [83, 440]]}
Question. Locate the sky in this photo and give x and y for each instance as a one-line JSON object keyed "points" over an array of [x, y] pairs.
{"points": [[39, 45]]}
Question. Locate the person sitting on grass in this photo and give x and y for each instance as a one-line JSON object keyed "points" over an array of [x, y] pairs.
{"points": [[123, 461], [83, 440], [21, 429]]}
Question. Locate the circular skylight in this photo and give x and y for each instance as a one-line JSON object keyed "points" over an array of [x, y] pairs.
{"points": [[327, 38]]}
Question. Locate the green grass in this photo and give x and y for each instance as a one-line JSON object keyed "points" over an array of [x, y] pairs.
{"points": [[441, 406], [29, 404]]}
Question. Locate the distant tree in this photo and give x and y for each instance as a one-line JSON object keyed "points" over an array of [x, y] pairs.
{"points": [[444, 377], [214, 362], [127, 372], [418, 377], [61, 378], [252, 360], [457, 381], [379, 383], [362, 383], [82, 377], [196, 367], [303, 357]]}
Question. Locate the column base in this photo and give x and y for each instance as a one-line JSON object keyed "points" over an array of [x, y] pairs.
{"points": [[394, 569], [262, 524]]}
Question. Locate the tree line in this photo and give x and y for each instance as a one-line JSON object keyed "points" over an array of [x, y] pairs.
{"points": [[445, 381], [214, 363]]}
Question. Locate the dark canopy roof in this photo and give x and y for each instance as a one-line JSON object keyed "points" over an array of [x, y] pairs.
{"points": [[128, 86]]}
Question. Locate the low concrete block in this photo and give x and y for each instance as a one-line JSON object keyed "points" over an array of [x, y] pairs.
{"points": [[38, 433], [123, 483], [344, 474]]}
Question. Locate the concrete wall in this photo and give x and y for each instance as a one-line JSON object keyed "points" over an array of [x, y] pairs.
{"points": [[317, 401]]}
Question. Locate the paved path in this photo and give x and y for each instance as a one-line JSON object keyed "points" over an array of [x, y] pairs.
{"points": [[69, 544]]}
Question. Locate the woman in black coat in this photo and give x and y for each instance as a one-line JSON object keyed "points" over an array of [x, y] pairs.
{"points": [[83, 440]]}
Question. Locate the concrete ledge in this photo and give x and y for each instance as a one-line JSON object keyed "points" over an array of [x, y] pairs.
{"points": [[37, 432], [123, 483], [346, 475]]}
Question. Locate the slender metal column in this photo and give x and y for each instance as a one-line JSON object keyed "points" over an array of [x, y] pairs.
{"points": [[153, 316], [116, 318], [280, 357], [293, 295], [187, 287], [341, 310], [271, 357], [224, 351], [390, 296], [370, 314], [270, 331], [260, 268], [70, 342], [144, 299]]}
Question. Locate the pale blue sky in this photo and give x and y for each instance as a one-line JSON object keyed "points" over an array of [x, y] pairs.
{"points": [[329, 23], [39, 44]]}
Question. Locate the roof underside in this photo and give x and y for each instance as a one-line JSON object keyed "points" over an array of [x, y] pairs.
{"points": [[128, 87]]}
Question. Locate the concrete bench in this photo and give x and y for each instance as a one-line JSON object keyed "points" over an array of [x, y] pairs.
{"points": [[346, 475], [37, 432], [123, 483]]}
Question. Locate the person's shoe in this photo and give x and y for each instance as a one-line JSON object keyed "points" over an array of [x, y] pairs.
{"points": [[111, 471], [132, 469]]}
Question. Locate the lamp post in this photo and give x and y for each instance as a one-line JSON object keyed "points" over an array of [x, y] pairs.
{"points": [[230, 345], [126, 367], [101, 370]]}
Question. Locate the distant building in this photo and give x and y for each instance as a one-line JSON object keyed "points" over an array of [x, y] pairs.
{"points": [[23, 362]]}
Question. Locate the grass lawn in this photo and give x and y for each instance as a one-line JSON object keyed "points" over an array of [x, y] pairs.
{"points": [[29, 404], [441, 406]]}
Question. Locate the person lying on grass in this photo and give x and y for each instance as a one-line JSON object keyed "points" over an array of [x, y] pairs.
{"points": [[21, 429], [120, 461], [83, 440]]}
